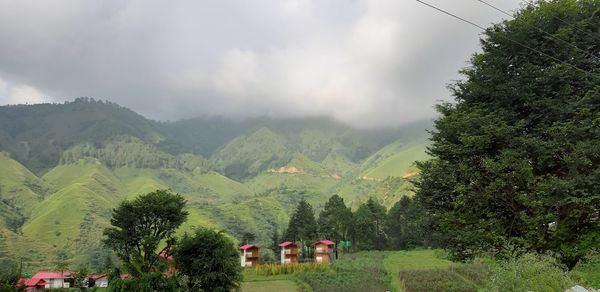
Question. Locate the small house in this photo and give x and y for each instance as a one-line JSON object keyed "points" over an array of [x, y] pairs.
{"points": [[250, 255], [289, 252], [324, 251], [32, 284], [55, 279]]}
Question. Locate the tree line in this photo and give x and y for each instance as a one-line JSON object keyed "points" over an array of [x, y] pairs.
{"points": [[370, 227]]}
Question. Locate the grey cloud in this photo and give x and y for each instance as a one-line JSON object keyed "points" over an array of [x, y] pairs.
{"points": [[366, 63]]}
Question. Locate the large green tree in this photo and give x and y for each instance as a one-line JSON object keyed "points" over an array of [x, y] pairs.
{"points": [[143, 228], [406, 225], [369, 226], [516, 158], [302, 225], [210, 260], [335, 220]]}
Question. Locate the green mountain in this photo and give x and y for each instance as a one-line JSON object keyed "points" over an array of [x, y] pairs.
{"points": [[66, 166]]}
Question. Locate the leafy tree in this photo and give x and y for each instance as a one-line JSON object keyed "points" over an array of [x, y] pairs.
{"points": [[248, 237], [515, 159], [335, 220], [302, 225], [406, 225], [275, 241], [9, 274], [210, 260], [140, 226], [369, 226]]}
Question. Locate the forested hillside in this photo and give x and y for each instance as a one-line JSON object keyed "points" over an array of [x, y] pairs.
{"points": [[65, 166]]}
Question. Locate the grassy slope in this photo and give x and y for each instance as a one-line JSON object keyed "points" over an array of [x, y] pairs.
{"points": [[394, 160], [20, 190], [74, 216]]}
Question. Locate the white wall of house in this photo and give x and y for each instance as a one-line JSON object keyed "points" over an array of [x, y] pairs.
{"points": [[243, 258], [283, 255], [56, 283], [101, 282]]}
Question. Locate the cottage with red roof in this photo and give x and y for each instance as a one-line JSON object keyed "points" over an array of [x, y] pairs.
{"points": [[32, 284], [324, 251], [55, 279], [289, 252], [250, 255]]}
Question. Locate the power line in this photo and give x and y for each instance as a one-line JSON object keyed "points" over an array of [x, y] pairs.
{"points": [[507, 38], [541, 30]]}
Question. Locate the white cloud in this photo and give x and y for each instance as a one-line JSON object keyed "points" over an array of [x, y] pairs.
{"points": [[364, 62]]}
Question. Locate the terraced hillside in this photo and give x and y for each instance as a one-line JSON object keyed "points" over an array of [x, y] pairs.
{"points": [[65, 166]]}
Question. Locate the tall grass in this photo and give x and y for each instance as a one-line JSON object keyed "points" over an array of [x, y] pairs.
{"points": [[277, 269]]}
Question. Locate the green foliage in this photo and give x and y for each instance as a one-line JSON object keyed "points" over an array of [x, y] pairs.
{"points": [[528, 272], [588, 270], [278, 269], [210, 261], [362, 271], [147, 282], [141, 225], [406, 225], [369, 226], [335, 221], [302, 225], [515, 159], [9, 274]]}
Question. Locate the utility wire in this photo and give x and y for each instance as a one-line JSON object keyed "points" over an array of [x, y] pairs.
{"points": [[509, 39], [542, 31]]}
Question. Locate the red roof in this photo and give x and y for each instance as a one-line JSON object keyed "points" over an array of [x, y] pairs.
{"points": [[287, 243], [325, 241], [96, 276], [248, 246], [53, 275], [165, 255], [31, 282]]}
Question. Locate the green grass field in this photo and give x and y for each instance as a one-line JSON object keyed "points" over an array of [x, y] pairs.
{"points": [[418, 260]]}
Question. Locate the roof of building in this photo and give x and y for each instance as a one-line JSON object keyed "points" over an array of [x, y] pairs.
{"points": [[248, 246], [166, 255], [287, 243], [96, 276], [52, 275], [29, 282], [324, 241]]}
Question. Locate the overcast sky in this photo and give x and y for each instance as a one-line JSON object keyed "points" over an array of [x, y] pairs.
{"points": [[366, 63]]}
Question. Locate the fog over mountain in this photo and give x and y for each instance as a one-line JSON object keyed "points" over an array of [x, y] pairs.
{"points": [[366, 63]]}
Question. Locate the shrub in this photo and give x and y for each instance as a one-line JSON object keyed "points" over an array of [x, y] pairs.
{"points": [[588, 270], [528, 272]]}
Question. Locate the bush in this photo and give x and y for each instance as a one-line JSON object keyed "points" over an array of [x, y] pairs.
{"points": [[588, 270], [528, 272]]}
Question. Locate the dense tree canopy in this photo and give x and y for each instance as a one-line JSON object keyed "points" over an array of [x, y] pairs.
{"points": [[335, 220], [516, 158], [369, 226], [302, 225], [210, 260], [406, 225], [140, 226]]}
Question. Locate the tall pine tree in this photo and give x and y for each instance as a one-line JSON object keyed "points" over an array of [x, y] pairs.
{"points": [[335, 220]]}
